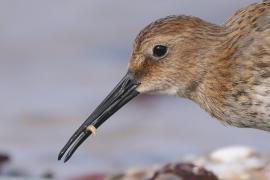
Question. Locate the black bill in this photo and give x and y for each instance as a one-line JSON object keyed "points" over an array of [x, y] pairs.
{"points": [[124, 91]]}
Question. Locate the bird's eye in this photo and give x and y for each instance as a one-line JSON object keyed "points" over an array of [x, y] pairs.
{"points": [[160, 51]]}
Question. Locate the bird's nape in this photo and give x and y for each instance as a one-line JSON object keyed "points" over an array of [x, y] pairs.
{"points": [[124, 91]]}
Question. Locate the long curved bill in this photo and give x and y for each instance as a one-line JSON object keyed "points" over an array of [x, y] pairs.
{"points": [[124, 91]]}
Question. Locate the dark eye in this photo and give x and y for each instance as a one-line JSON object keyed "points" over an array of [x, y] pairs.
{"points": [[160, 51]]}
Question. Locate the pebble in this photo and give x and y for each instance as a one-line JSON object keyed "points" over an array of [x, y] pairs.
{"points": [[228, 163]]}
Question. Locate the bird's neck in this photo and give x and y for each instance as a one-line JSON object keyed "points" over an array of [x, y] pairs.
{"points": [[214, 81], [216, 86]]}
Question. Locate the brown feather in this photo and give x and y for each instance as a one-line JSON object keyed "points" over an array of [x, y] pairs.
{"points": [[224, 68]]}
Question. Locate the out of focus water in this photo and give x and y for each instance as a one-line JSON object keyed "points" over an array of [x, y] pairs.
{"points": [[58, 61]]}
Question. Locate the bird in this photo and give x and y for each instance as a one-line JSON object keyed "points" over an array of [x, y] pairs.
{"points": [[225, 69]]}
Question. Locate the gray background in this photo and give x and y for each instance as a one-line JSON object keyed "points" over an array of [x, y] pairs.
{"points": [[58, 61]]}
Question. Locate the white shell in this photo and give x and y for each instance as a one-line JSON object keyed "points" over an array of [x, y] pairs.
{"points": [[233, 154]]}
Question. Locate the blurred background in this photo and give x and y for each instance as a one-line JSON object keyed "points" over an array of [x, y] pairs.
{"points": [[59, 59]]}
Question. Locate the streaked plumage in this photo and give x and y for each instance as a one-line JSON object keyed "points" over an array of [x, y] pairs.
{"points": [[223, 68]]}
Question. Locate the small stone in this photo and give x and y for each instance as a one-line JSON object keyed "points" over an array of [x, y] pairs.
{"points": [[233, 154], [92, 177], [4, 158], [236, 163], [183, 171], [48, 175]]}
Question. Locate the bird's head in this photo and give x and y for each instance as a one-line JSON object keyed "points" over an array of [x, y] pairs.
{"points": [[164, 60], [165, 56]]}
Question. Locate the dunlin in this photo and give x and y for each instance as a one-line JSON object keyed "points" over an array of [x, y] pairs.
{"points": [[223, 68]]}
